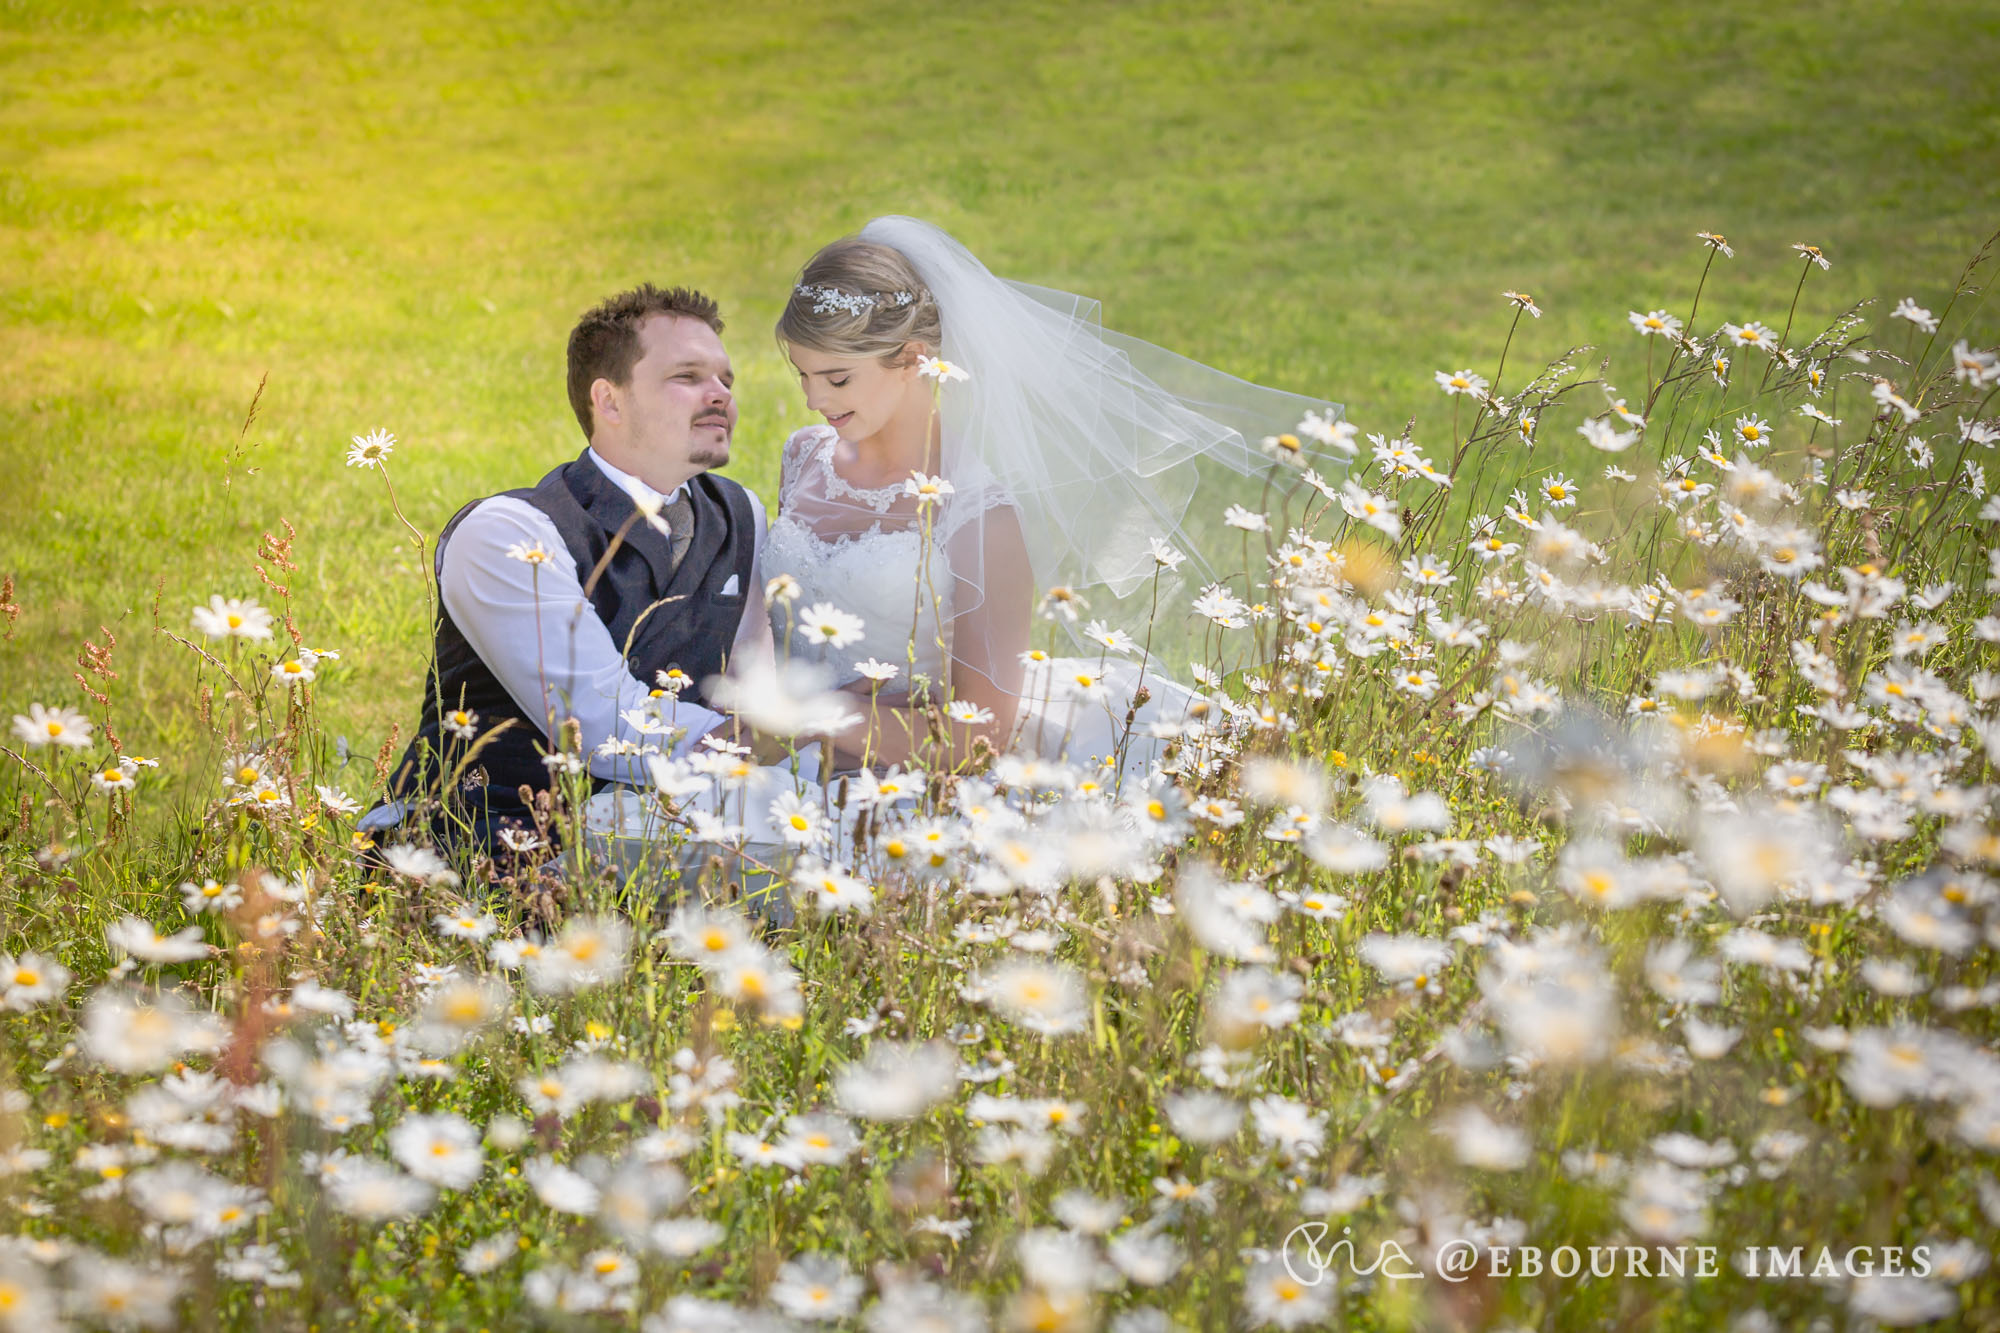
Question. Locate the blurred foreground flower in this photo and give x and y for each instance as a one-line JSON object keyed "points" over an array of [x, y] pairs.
{"points": [[792, 699], [898, 1080]]}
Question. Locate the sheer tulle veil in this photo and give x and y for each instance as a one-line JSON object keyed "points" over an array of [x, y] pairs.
{"points": [[1100, 442]]}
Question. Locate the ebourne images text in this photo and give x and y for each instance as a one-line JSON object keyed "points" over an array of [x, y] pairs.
{"points": [[1309, 1259]]}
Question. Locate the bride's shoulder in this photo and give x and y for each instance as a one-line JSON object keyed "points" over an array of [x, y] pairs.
{"points": [[977, 486], [799, 446]]}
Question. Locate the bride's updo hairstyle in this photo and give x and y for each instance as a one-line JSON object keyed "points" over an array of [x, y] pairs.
{"points": [[857, 298]]}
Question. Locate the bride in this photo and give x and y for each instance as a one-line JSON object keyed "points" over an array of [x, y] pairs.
{"points": [[985, 441]]}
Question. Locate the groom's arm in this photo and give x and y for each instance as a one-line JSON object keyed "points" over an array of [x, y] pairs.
{"points": [[543, 641]]}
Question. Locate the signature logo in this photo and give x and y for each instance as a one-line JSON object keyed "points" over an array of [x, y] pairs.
{"points": [[1391, 1260]]}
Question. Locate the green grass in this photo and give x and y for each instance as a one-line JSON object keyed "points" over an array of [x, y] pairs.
{"points": [[395, 212]]}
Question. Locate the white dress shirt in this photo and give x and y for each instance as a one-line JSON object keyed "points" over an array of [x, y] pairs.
{"points": [[543, 641]]}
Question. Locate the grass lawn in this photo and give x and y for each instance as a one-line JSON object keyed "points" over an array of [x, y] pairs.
{"points": [[1635, 976], [395, 213]]}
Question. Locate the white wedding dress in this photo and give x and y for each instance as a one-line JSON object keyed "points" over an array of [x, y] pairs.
{"points": [[867, 552]]}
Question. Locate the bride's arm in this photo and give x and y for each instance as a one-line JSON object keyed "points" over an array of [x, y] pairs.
{"points": [[987, 641]]}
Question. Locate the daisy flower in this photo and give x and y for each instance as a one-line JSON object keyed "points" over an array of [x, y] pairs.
{"points": [[1428, 571], [1285, 447], [1751, 334], [529, 553], [1236, 516], [1063, 601], [293, 671], [1558, 490], [1908, 309], [118, 775], [29, 979], [234, 617], [1422, 683], [818, 1288], [1971, 365], [441, 1149], [1377, 511], [337, 801], [52, 726], [1461, 381], [209, 896], [466, 925], [968, 712], [927, 490], [371, 450], [1325, 430], [798, 821], [1111, 640], [1752, 429], [825, 623], [1601, 434], [1886, 397]]}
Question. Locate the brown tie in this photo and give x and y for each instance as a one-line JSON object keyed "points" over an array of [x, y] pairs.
{"points": [[678, 515]]}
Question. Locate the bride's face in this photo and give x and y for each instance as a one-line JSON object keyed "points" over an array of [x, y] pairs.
{"points": [[858, 396]]}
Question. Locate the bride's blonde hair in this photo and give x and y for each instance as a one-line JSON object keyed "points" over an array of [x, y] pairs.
{"points": [[858, 298]]}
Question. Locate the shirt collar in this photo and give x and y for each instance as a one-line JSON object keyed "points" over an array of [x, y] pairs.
{"points": [[631, 484]]}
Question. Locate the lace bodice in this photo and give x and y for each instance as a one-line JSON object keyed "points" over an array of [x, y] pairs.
{"points": [[870, 572], [864, 552]]}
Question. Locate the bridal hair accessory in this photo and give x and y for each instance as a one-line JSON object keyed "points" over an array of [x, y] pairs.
{"points": [[854, 303]]}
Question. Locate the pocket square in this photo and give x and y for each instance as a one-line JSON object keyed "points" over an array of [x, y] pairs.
{"points": [[729, 589]]}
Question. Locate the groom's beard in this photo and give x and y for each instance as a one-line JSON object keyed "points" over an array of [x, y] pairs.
{"points": [[709, 454]]}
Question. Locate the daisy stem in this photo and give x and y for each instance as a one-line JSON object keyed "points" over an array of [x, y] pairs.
{"points": [[1693, 310], [416, 536]]}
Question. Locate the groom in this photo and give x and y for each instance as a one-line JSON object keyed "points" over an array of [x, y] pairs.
{"points": [[625, 574]]}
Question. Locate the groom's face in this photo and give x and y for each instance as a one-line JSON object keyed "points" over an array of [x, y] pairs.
{"points": [[678, 410]]}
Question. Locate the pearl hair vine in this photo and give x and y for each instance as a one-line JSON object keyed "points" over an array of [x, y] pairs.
{"points": [[854, 303]]}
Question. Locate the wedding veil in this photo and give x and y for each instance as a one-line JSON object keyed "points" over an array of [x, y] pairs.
{"points": [[1099, 442]]}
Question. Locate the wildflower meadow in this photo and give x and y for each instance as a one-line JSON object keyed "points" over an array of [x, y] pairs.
{"points": [[1571, 902]]}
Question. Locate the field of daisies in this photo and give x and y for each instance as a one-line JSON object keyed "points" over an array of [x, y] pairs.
{"points": [[1558, 859]]}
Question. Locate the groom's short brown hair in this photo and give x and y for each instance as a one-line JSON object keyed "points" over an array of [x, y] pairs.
{"points": [[604, 345]]}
